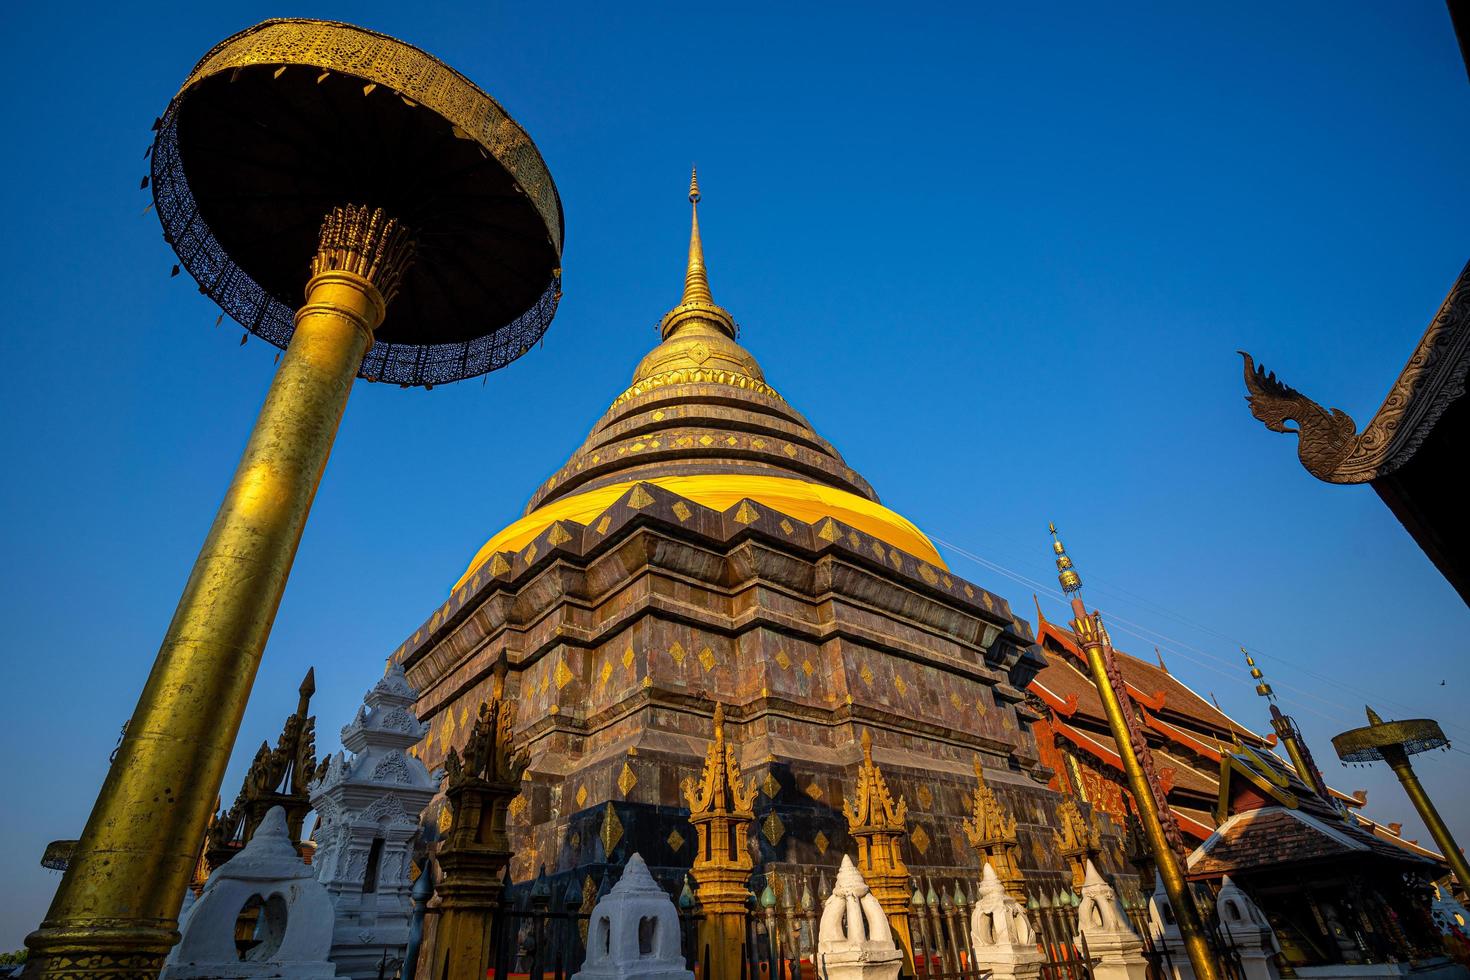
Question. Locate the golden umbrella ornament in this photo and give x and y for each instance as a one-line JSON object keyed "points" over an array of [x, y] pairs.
{"points": [[313, 158]]}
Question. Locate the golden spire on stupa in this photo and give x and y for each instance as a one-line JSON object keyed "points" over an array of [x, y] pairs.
{"points": [[697, 307]]}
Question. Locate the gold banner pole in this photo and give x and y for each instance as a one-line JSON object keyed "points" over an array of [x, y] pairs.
{"points": [[1170, 869], [115, 912]]}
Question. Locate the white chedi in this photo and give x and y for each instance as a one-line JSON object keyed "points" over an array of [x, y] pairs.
{"points": [[854, 940], [368, 806], [1104, 932], [1248, 931], [634, 932], [1001, 935], [294, 923]]}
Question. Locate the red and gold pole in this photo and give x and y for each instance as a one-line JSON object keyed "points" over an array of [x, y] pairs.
{"points": [[1167, 863]]}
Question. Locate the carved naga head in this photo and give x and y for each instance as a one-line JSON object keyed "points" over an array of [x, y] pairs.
{"points": [[1324, 438]]}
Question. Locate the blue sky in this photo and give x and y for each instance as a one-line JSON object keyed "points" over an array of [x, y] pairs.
{"points": [[1000, 256]]}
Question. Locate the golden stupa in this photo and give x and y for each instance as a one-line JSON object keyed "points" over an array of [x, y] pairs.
{"points": [[732, 438]]}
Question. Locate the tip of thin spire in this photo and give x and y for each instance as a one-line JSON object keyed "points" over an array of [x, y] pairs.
{"points": [[1373, 718], [693, 186]]}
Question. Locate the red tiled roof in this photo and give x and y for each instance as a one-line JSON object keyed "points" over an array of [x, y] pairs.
{"points": [[1147, 682]]}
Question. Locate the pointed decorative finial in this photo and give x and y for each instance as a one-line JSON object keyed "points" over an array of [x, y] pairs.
{"points": [[1373, 718], [867, 741], [697, 306], [1066, 574], [1262, 688], [308, 683], [696, 281]]}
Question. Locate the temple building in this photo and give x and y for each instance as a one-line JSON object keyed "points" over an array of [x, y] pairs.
{"points": [[707, 563], [706, 546]]}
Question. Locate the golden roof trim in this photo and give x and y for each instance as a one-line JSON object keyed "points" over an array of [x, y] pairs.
{"points": [[694, 376]]}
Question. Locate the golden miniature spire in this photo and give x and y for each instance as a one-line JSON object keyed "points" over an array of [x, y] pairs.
{"points": [[697, 306], [1373, 718], [1066, 574], [1262, 688], [696, 281]]}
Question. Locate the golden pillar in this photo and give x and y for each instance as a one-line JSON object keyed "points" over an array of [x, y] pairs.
{"points": [[115, 911], [991, 830], [1393, 742], [1157, 822], [879, 825], [252, 152], [475, 852], [720, 808]]}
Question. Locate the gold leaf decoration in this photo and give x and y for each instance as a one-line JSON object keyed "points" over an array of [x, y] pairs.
{"points": [[517, 807], [787, 528], [626, 780], [807, 668], [771, 785], [927, 573], [628, 657], [612, 830], [581, 795], [789, 450], [901, 684], [782, 659], [707, 658], [866, 673], [558, 535], [813, 790], [969, 591], [675, 840], [821, 841], [682, 511], [446, 820], [529, 555], [564, 675], [920, 840], [498, 565], [926, 797], [678, 652], [746, 513], [957, 701], [828, 531], [606, 673], [604, 524], [773, 828], [639, 499]]}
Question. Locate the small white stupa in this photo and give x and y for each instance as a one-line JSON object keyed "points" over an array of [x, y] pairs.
{"points": [[1109, 937], [854, 941], [294, 924], [1001, 936], [368, 806], [634, 932]]}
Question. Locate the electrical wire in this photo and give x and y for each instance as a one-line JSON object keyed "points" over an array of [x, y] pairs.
{"points": [[1173, 645]]}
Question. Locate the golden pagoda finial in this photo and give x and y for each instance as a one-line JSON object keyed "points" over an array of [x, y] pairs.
{"points": [[1262, 688], [1066, 574], [697, 305], [1373, 718], [872, 805], [696, 281], [720, 789]]}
